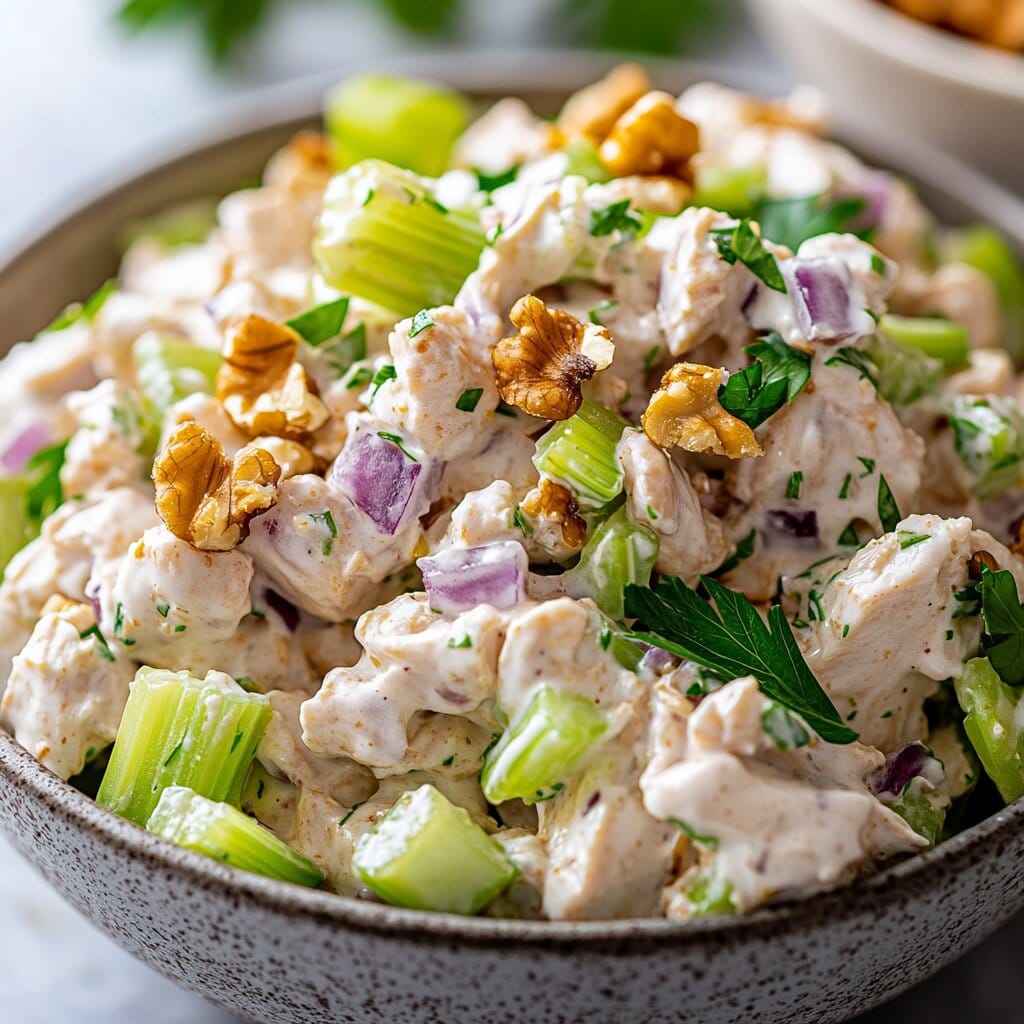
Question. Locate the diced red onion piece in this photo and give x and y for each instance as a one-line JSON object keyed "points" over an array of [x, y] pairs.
{"points": [[800, 527], [285, 610], [459, 579], [876, 191], [391, 487], [900, 768], [658, 661], [821, 300], [34, 437]]}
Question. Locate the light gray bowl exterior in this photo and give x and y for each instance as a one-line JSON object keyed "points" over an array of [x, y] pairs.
{"points": [[280, 954]]}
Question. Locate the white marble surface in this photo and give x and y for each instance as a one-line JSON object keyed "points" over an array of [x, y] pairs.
{"points": [[77, 104]]}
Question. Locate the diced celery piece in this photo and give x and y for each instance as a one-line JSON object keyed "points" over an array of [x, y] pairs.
{"points": [[178, 730], [409, 123], [922, 808], [383, 237], [710, 894], [428, 854], [733, 190], [18, 526], [989, 438], [994, 724], [580, 453], [905, 374], [986, 250], [224, 833], [582, 159], [187, 223], [617, 552], [940, 339], [542, 747], [169, 368]]}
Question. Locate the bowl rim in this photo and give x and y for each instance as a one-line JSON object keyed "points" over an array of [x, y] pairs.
{"points": [[281, 105], [934, 52], [801, 914]]}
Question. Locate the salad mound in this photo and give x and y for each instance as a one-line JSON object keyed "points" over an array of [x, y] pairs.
{"points": [[613, 516]]}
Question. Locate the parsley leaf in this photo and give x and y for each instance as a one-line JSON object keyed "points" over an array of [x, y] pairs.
{"points": [[321, 323], [744, 549], [791, 222], [421, 322], [778, 374], [615, 217], [489, 182], [732, 640], [468, 400], [382, 376], [743, 244], [888, 510], [45, 494], [1003, 616]]}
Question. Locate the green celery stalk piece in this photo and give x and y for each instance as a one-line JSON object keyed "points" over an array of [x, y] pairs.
{"points": [[710, 895], [580, 453], [18, 526], [733, 190], [992, 725], [922, 808], [941, 339], [988, 435], [904, 374], [582, 159], [187, 223], [408, 123], [178, 730], [383, 237], [428, 854], [617, 552], [224, 833], [545, 745], [986, 250], [170, 368]]}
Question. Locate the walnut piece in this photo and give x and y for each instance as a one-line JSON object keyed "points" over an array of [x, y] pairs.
{"points": [[591, 112], [204, 497], [541, 369], [651, 137], [261, 386], [556, 504], [684, 412], [303, 165]]}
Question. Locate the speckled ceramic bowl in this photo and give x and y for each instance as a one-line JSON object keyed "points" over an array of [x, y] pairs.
{"points": [[281, 954]]}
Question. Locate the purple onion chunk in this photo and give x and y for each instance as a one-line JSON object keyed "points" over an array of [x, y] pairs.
{"points": [[32, 439], [384, 480], [658, 661], [821, 300], [791, 526], [459, 579], [900, 767], [876, 191]]}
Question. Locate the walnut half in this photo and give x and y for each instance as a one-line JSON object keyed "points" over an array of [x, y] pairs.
{"points": [[261, 386], [684, 412], [541, 369], [652, 137], [555, 503], [591, 112], [204, 497]]}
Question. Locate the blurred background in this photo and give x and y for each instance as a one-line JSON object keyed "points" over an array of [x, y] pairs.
{"points": [[95, 88]]}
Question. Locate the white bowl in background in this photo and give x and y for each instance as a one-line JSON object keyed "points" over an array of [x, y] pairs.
{"points": [[881, 67]]}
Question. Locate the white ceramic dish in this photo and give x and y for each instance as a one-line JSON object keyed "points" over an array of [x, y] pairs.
{"points": [[886, 70]]}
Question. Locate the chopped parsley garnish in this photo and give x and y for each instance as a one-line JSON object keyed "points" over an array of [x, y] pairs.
{"points": [[119, 626], [844, 491], [469, 399], [327, 518], [969, 599], [795, 484], [949, 634], [45, 494], [504, 409], [355, 807], [595, 314], [396, 440], [455, 645], [858, 360], [868, 464], [888, 511], [495, 233], [489, 182], [606, 638], [846, 630], [1003, 615], [180, 628], [732, 640], [744, 549], [815, 611], [886, 714], [321, 323], [385, 373], [101, 646], [421, 322], [848, 538], [777, 375], [652, 356], [248, 684], [908, 540], [163, 609], [344, 352], [741, 243], [784, 728], [878, 264], [615, 217], [791, 222], [360, 378], [449, 760], [519, 519], [711, 842], [87, 311], [651, 513]]}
